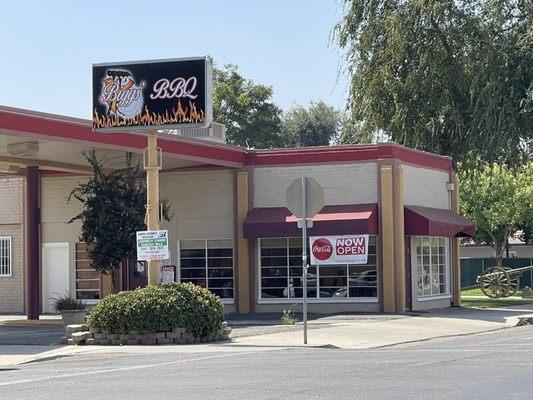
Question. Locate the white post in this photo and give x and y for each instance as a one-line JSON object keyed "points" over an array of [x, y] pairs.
{"points": [[304, 253]]}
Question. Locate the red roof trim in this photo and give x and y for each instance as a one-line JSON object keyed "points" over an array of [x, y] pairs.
{"points": [[74, 131], [18, 121]]}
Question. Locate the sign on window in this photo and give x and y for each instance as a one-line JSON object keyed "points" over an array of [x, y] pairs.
{"points": [[346, 249]]}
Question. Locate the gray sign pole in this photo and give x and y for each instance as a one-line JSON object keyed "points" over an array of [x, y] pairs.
{"points": [[304, 253]]}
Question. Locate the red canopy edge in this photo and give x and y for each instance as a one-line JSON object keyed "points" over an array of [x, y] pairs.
{"points": [[426, 221], [331, 220]]}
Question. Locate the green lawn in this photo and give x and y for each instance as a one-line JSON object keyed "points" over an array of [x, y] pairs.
{"points": [[485, 302], [478, 292]]}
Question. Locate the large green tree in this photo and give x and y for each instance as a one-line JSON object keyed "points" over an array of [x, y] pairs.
{"points": [[446, 76], [316, 125], [498, 199], [247, 110]]}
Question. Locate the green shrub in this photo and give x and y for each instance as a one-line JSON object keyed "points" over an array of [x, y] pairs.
{"points": [[160, 308]]}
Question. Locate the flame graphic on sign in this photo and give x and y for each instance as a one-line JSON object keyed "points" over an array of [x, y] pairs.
{"points": [[178, 115]]}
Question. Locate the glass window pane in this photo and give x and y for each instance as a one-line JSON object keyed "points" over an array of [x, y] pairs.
{"points": [[274, 272], [220, 244], [192, 244], [192, 263], [220, 262], [220, 252]]}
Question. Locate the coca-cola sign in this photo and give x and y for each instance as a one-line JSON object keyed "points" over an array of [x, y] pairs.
{"points": [[321, 249], [346, 249], [166, 94]]}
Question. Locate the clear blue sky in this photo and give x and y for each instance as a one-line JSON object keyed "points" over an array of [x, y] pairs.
{"points": [[47, 47]]}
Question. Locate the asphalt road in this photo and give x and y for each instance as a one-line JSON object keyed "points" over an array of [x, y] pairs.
{"points": [[485, 366]]}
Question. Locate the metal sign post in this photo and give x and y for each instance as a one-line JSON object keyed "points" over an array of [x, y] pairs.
{"points": [[304, 198], [304, 254]]}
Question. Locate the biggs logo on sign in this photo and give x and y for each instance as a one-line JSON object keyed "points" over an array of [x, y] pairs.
{"points": [[322, 249]]}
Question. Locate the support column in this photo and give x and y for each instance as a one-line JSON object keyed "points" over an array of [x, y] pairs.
{"points": [[399, 241], [386, 217], [241, 244], [33, 243], [456, 249], [392, 238], [152, 166]]}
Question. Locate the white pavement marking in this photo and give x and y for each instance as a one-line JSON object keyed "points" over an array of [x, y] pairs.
{"points": [[136, 367]]}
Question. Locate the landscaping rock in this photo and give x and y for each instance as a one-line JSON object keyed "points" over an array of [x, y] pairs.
{"points": [[149, 341], [179, 330], [70, 329], [99, 335], [90, 341], [94, 330], [165, 341], [118, 342], [79, 337], [132, 342], [112, 336]]}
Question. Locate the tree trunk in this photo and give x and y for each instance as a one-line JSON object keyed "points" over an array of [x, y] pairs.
{"points": [[113, 275], [498, 249]]}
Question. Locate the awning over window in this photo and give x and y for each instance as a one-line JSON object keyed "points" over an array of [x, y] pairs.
{"points": [[436, 222], [331, 220]]}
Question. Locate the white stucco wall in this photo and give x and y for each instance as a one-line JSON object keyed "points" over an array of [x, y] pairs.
{"points": [[202, 203], [343, 183], [56, 211], [425, 187]]}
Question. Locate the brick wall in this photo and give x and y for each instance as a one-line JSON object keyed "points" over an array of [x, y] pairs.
{"points": [[425, 187], [343, 183], [11, 224]]}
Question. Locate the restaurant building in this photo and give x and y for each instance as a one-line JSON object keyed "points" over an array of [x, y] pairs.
{"points": [[230, 230]]}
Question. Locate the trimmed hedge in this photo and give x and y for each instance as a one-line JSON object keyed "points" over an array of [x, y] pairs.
{"points": [[160, 308]]}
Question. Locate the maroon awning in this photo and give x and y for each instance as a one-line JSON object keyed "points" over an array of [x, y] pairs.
{"points": [[436, 222], [331, 220]]}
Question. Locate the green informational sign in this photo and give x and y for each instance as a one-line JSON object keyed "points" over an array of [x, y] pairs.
{"points": [[152, 245]]}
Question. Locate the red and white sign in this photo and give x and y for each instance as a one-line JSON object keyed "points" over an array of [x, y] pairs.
{"points": [[347, 249]]}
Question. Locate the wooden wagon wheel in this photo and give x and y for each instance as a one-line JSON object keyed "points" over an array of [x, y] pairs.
{"points": [[514, 283], [495, 283]]}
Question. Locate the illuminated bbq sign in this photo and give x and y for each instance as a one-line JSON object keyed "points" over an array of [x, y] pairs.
{"points": [[161, 94]]}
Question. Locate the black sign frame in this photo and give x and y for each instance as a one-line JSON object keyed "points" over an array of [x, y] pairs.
{"points": [[150, 95]]}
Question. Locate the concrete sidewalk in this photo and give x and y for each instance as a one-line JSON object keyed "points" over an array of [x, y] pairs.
{"points": [[368, 333], [342, 331]]}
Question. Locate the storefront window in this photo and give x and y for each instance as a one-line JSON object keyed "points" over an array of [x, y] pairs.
{"points": [[209, 264], [432, 262], [281, 273]]}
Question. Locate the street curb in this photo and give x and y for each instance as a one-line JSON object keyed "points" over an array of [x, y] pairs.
{"points": [[444, 337]]}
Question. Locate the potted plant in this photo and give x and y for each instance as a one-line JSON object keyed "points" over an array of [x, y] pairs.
{"points": [[72, 311]]}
